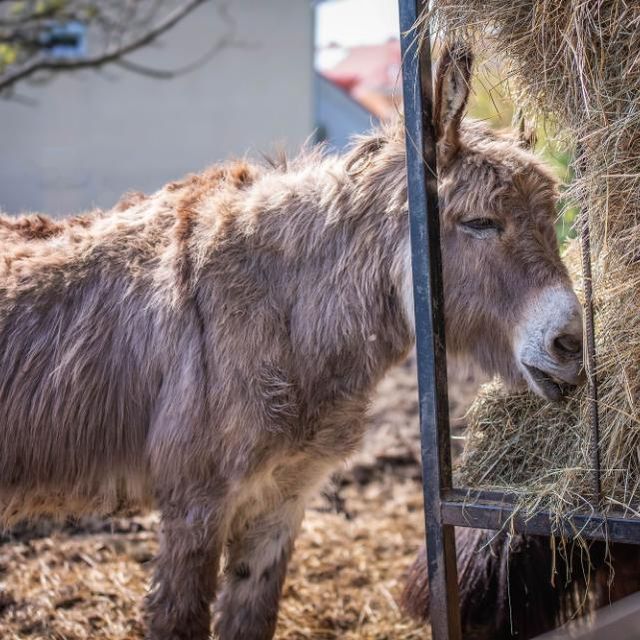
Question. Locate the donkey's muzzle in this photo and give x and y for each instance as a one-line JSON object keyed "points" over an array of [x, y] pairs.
{"points": [[549, 386], [550, 346]]}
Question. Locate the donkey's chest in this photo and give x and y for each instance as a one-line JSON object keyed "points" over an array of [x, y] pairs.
{"points": [[337, 432]]}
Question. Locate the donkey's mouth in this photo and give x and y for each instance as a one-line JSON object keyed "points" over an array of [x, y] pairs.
{"points": [[547, 385]]}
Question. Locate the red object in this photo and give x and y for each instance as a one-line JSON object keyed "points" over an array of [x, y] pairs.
{"points": [[371, 75]]}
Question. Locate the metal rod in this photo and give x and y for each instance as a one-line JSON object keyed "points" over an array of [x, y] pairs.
{"points": [[464, 507], [590, 357], [429, 314]]}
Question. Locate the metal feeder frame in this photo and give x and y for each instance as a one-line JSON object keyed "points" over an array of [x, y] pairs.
{"points": [[446, 506]]}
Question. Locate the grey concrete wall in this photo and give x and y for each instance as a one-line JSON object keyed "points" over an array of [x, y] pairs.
{"points": [[83, 139]]}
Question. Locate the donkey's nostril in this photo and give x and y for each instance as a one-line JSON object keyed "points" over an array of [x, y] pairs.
{"points": [[568, 344]]}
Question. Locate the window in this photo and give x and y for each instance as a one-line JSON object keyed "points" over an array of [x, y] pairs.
{"points": [[66, 41]]}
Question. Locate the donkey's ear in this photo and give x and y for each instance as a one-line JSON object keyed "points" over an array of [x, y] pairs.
{"points": [[527, 135], [363, 148], [452, 86]]}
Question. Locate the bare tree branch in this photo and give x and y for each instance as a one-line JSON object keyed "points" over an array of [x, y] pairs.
{"points": [[42, 61], [168, 74]]}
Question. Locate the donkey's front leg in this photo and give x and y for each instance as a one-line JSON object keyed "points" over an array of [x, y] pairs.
{"points": [[258, 553], [184, 583]]}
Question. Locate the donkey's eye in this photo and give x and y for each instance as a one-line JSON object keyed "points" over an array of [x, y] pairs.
{"points": [[478, 226]]}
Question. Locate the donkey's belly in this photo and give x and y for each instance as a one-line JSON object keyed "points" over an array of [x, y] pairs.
{"points": [[110, 494]]}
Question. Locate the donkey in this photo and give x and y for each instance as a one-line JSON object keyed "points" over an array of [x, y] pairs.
{"points": [[211, 348], [518, 586]]}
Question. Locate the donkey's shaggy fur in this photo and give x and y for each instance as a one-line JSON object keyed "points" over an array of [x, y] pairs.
{"points": [[521, 586], [213, 346]]}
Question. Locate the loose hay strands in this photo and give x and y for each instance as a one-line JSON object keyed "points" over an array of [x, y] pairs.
{"points": [[579, 62], [343, 582]]}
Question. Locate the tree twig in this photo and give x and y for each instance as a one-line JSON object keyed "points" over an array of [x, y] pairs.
{"points": [[43, 62]]}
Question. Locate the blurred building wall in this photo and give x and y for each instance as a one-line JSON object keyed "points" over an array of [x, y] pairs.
{"points": [[84, 138]]}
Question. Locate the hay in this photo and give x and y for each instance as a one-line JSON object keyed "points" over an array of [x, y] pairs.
{"points": [[344, 581], [578, 62]]}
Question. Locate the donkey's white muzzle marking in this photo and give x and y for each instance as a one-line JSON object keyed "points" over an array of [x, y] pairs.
{"points": [[548, 342]]}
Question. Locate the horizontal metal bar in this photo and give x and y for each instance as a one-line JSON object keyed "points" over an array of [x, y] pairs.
{"points": [[469, 494], [495, 510]]}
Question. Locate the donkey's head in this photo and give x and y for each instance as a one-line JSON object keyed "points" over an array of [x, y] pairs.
{"points": [[509, 299]]}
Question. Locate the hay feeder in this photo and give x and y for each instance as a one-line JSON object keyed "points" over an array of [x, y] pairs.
{"points": [[580, 62]]}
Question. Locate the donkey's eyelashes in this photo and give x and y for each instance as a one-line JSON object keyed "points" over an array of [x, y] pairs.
{"points": [[481, 227]]}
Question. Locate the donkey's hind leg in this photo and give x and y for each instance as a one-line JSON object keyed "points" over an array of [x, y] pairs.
{"points": [[258, 554]]}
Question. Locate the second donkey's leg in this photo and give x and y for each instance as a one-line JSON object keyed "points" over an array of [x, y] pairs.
{"points": [[258, 554]]}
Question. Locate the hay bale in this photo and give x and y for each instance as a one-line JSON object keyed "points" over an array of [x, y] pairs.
{"points": [[578, 62]]}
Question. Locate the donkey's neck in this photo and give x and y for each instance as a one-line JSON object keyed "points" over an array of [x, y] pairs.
{"points": [[353, 315], [318, 254]]}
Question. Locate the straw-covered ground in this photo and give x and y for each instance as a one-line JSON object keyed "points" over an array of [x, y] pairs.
{"points": [[576, 63], [87, 580]]}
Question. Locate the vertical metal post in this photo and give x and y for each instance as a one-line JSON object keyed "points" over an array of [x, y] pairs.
{"points": [[590, 360], [590, 344], [429, 310]]}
